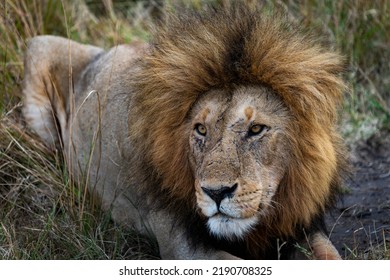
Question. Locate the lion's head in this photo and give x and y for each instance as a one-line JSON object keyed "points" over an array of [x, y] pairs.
{"points": [[236, 116], [239, 152]]}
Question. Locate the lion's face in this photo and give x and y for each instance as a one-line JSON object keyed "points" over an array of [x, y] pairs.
{"points": [[239, 154]]}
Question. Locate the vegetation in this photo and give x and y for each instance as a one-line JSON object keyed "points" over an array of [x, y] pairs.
{"points": [[44, 215]]}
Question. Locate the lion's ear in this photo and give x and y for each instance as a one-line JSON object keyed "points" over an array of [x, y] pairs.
{"points": [[52, 65]]}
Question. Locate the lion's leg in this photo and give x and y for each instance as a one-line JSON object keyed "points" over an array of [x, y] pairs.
{"points": [[322, 247], [52, 65], [44, 113]]}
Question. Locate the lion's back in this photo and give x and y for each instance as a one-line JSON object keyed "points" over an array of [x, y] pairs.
{"points": [[99, 129], [76, 98]]}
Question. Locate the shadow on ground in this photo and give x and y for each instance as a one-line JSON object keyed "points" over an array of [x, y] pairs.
{"points": [[360, 224]]}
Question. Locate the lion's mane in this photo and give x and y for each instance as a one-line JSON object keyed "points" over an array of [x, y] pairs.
{"points": [[193, 53]]}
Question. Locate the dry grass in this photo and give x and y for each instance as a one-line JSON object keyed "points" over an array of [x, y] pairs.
{"points": [[40, 207], [43, 213], [44, 216]]}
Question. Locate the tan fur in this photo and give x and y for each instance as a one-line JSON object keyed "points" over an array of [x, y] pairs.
{"points": [[145, 97], [248, 113]]}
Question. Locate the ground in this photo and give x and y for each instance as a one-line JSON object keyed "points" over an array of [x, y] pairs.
{"points": [[360, 224]]}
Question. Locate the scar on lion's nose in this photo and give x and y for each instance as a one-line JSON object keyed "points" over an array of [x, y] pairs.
{"points": [[219, 194]]}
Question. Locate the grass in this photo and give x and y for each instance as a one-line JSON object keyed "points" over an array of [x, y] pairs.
{"points": [[42, 215]]}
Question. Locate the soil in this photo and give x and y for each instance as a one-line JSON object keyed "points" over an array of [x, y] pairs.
{"points": [[360, 224]]}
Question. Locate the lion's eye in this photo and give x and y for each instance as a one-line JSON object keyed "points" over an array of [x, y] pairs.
{"points": [[201, 129], [256, 129]]}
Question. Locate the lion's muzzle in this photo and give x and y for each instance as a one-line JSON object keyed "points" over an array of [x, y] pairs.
{"points": [[227, 217], [218, 194]]}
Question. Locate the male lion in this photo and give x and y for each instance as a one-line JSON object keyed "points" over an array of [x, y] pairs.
{"points": [[218, 136]]}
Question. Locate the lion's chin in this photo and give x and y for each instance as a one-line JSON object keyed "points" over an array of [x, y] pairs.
{"points": [[226, 227]]}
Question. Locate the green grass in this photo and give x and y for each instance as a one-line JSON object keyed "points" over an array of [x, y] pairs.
{"points": [[41, 214]]}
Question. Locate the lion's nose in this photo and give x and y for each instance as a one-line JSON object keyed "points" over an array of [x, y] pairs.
{"points": [[219, 194]]}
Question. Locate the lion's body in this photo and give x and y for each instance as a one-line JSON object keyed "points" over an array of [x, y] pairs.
{"points": [[160, 132]]}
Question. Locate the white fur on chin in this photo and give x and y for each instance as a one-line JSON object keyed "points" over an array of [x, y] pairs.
{"points": [[230, 228]]}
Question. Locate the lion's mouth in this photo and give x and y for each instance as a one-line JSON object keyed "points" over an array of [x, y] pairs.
{"points": [[224, 226]]}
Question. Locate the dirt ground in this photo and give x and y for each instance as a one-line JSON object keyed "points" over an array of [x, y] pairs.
{"points": [[360, 224]]}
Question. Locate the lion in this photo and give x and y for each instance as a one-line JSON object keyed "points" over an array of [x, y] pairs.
{"points": [[218, 137]]}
